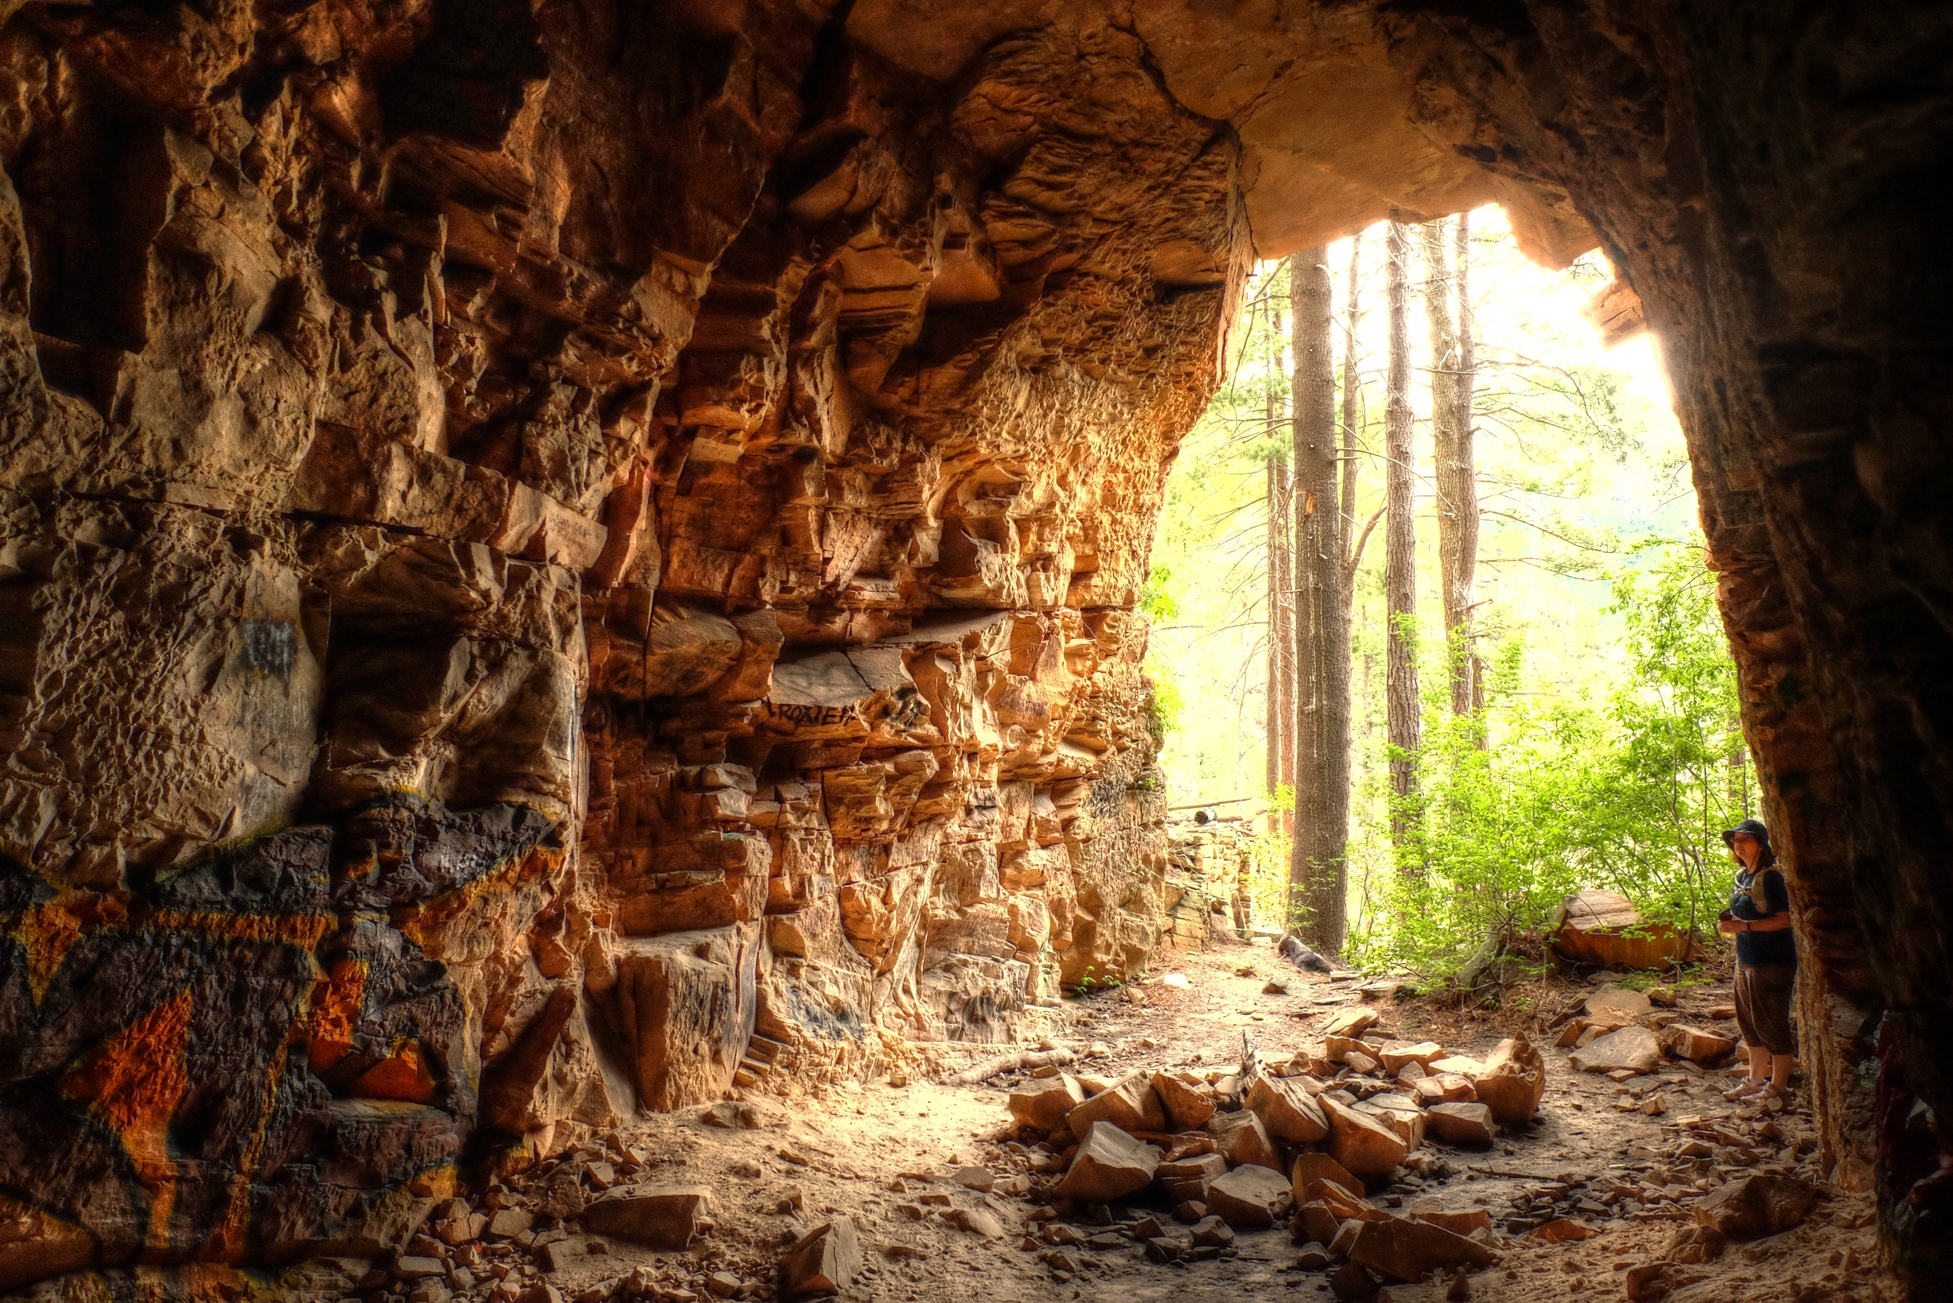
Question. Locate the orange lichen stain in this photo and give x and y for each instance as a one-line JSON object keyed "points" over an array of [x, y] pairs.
{"points": [[336, 1013], [302, 930], [434, 915], [133, 1082], [402, 1075], [49, 930]]}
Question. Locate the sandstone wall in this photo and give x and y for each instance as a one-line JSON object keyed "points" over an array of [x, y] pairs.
{"points": [[554, 563]]}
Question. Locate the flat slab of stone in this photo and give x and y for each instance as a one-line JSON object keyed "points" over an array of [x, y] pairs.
{"points": [[1461, 1124], [1630, 1049], [1405, 1250], [664, 1217]]}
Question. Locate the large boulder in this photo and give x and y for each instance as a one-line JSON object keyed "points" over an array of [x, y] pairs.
{"points": [[1188, 1102], [1513, 1081], [1109, 1165], [1287, 1110], [1364, 1144], [1242, 1138], [1248, 1198], [823, 1261], [1128, 1104], [1046, 1103]]}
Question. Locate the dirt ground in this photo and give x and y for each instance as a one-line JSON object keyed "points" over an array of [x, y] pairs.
{"points": [[884, 1156]]}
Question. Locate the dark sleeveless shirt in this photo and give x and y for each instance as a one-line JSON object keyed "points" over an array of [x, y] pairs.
{"points": [[1766, 896]]}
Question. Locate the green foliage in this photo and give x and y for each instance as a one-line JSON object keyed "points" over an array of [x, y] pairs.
{"points": [[1526, 803], [1163, 703], [1156, 600]]}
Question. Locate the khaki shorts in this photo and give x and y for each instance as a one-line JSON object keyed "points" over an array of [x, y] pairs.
{"points": [[1763, 1006]]}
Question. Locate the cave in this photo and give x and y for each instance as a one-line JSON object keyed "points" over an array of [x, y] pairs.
{"points": [[559, 559]]}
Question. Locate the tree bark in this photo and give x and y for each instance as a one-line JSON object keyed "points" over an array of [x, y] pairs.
{"points": [[1318, 875], [1281, 639], [1463, 491], [1400, 537], [1451, 386]]}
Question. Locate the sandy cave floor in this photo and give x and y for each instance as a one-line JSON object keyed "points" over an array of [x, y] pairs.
{"points": [[867, 1150]]}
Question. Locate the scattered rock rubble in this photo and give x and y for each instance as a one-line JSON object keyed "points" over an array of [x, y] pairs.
{"points": [[1357, 1146]]}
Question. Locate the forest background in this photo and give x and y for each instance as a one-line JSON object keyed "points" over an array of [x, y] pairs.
{"points": [[1604, 750]]}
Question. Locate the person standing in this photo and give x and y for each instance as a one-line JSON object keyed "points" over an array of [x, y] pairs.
{"points": [[1766, 959]]}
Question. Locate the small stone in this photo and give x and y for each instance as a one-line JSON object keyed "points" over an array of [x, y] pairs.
{"points": [[1460, 1288], [722, 1284], [1214, 1231], [1189, 1210], [1562, 1230], [976, 1221], [414, 1267], [1128, 1104], [1313, 1257], [975, 1178]]}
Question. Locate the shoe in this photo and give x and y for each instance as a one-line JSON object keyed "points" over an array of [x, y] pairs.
{"points": [[1751, 1086]]}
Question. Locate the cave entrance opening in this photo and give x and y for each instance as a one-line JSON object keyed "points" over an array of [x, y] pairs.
{"points": [[1514, 526]]}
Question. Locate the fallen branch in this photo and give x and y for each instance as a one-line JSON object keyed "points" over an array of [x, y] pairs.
{"points": [[1023, 1059]]}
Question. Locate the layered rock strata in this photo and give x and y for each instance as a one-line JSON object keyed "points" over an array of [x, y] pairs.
{"points": [[554, 560], [556, 564]]}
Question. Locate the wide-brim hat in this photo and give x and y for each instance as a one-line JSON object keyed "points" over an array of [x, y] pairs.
{"points": [[1755, 828]]}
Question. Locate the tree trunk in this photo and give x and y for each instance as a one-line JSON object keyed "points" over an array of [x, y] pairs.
{"points": [[1318, 877], [1458, 492], [1400, 538], [1281, 640], [1453, 479]]}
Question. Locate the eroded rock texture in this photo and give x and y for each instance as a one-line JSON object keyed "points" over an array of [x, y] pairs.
{"points": [[553, 563], [554, 559]]}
